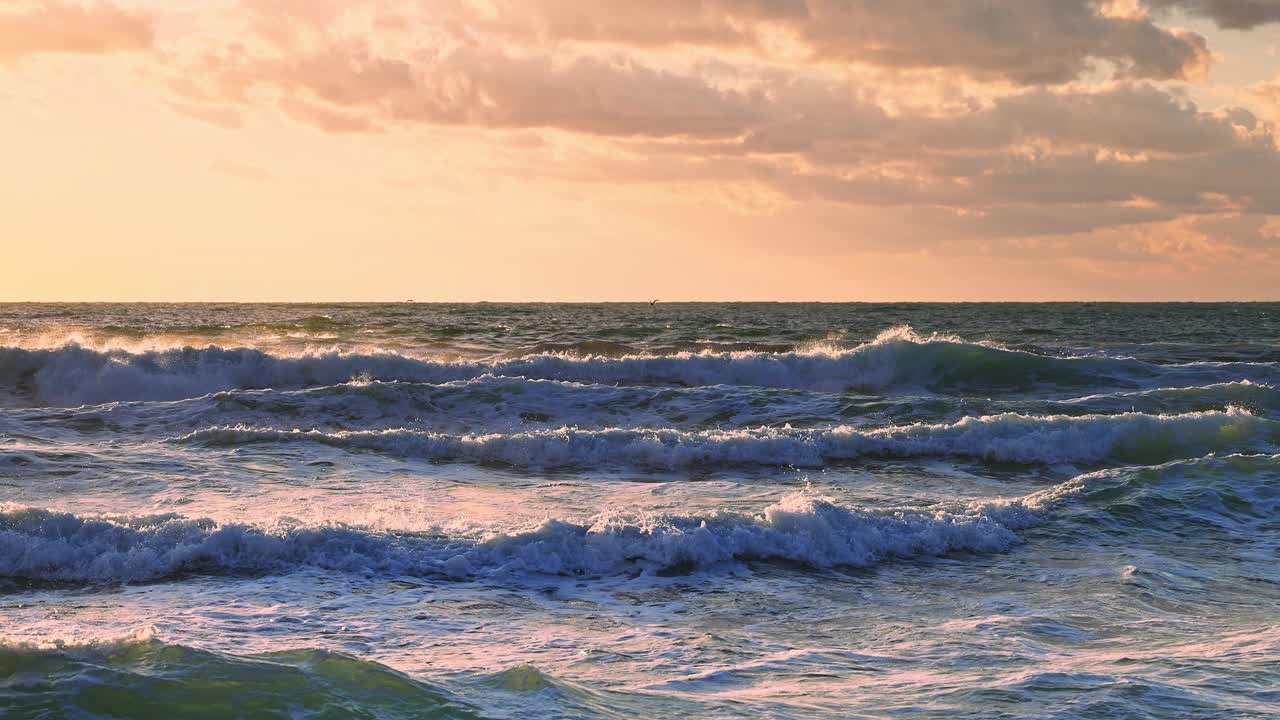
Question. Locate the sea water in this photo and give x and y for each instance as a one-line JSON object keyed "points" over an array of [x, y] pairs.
{"points": [[706, 510]]}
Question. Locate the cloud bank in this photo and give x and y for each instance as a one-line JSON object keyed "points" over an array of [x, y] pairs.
{"points": [[1027, 120], [51, 26]]}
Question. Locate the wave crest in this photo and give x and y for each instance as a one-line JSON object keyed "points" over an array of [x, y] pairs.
{"points": [[42, 545], [1127, 437], [74, 375]]}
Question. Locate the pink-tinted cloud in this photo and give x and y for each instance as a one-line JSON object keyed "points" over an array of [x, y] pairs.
{"points": [[53, 26], [1022, 41], [1269, 94], [1026, 161], [348, 86]]}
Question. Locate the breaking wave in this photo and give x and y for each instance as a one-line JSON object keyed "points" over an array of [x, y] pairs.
{"points": [[1187, 498], [74, 375], [41, 545], [1127, 437]]}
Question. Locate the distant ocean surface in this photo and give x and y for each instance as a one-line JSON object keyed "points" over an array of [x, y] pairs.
{"points": [[635, 511]]}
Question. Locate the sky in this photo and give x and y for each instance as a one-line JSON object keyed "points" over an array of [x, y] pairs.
{"points": [[574, 150]]}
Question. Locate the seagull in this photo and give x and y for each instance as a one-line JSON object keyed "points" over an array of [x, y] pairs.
{"points": [[652, 303]]}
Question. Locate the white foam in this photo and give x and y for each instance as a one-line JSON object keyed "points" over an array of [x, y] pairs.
{"points": [[1007, 437], [75, 375], [52, 546]]}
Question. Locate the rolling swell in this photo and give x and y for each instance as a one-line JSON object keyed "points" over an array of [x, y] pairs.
{"points": [[1244, 394], [488, 402], [142, 677], [1186, 499], [1238, 494], [1128, 437], [42, 545], [73, 375]]}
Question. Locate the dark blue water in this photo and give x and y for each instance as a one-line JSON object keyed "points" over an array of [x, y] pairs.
{"points": [[783, 510]]}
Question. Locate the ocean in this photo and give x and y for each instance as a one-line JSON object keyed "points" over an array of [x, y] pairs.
{"points": [[640, 511]]}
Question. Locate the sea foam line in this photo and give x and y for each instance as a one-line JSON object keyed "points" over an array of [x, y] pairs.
{"points": [[74, 375], [52, 546], [1009, 437]]}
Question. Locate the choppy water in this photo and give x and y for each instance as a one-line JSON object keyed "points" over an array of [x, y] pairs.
{"points": [[630, 511]]}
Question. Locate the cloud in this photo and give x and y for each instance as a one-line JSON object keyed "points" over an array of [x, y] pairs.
{"points": [[1029, 42], [51, 26], [1004, 161], [1015, 191], [347, 86], [1129, 118], [984, 122], [348, 83], [1268, 93], [1228, 242], [1228, 14]]}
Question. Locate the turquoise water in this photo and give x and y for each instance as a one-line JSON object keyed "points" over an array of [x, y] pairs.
{"points": [[713, 510]]}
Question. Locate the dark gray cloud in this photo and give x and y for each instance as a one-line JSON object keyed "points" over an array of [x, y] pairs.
{"points": [[1023, 41], [1229, 14]]}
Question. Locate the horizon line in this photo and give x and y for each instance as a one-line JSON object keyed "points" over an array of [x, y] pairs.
{"points": [[645, 302]]}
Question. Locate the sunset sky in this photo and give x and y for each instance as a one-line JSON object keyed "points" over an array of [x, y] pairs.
{"points": [[622, 150]]}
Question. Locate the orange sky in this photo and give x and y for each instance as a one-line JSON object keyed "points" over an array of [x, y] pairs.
{"points": [[614, 150]]}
